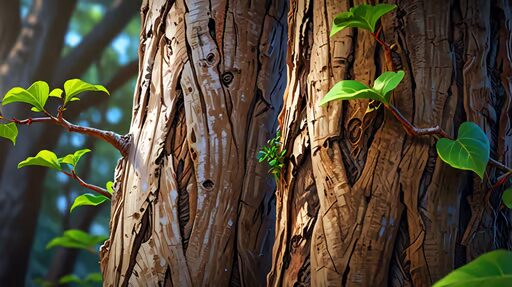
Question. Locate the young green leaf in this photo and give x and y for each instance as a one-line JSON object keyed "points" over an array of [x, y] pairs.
{"points": [[57, 93], [110, 187], [94, 277], [74, 87], [490, 269], [9, 131], [43, 158], [72, 159], [88, 199], [470, 151], [507, 197], [387, 82], [36, 95], [70, 278], [362, 16], [351, 90], [75, 238]]}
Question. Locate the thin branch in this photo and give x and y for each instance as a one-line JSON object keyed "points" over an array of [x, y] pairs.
{"points": [[91, 47], [121, 143], [92, 187], [436, 131]]}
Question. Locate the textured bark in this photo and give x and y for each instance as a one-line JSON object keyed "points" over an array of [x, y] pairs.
{"points": [[192, 207], [359, 202]]}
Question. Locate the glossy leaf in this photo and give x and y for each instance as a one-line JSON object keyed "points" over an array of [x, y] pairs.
{"points": [[470, 151], [492, 269], [73, 159], [507, 198], [57, 93], [74, 87], [36, 95], [88, 199], [9, 131], [75, 238], [110, 187], [351, 90], [44, 158], [362, 16], [387, 82]]}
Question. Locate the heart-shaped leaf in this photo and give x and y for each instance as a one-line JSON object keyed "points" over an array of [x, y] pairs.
{"points": [[88, 199], [507, 197], [362, 16], [43, 158], [70, 278], [36, 95], [351, 90], [94, 277], [387, 82], [470, 151], [491, 269], [9, 131], [73, 159], [74, 87]]}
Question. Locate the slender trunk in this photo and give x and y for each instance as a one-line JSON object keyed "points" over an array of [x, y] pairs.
{"points": [[362, 204], [192, 207]]}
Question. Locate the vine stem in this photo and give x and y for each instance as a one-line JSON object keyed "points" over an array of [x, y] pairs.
{"points": [[119, 142], [92, 187], [438, 132]]}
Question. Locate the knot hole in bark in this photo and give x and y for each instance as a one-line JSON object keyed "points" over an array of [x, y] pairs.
{"points": [[227, 78], [208, 184]]}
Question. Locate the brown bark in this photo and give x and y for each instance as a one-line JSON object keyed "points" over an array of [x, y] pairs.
{"points": [[362, 204], [192, 207]]}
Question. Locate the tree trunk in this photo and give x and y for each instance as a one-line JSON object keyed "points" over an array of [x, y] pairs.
{"points": [[359, 202], [192, 207]]}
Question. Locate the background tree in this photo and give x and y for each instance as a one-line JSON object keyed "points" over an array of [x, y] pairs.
{"points": [[360, 202], [33, 34], [192, 207]]}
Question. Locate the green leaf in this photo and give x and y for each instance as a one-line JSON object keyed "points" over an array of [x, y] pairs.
{"points": [[470, 151], [88, 199], [74, 87], [57, 93], [70, 278], [362, 16], [9, 131], [387, 82], [110, 187], [36, 95], [73, 159], [507, 197], [492, 269], [351, 90], [94, 277], [43, 158], [75, 238]]}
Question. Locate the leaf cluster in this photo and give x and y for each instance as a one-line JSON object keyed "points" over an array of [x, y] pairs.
{"points": [[273, 155]]}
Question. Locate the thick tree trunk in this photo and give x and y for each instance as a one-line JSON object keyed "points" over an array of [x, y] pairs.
{"points": [[192, 207], [362, 204]]}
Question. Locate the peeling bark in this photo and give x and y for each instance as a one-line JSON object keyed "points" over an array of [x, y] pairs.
{"points": [[389, 212], [192, 207]]}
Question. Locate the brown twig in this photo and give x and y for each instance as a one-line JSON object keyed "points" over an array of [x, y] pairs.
{"points": [[92, 187], [436, 131], [121, 143]]}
